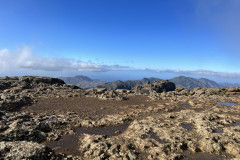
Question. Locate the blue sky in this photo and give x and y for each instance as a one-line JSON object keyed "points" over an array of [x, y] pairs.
{"points": [[121, 39]]}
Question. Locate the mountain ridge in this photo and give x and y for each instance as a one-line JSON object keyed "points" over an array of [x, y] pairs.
{"points": [[180, 82], [83, 81]]}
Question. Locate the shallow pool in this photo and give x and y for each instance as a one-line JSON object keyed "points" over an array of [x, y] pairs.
{"points": [[226, 103]]}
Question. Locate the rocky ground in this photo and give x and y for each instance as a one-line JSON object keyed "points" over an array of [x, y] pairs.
{"points": [[44, 118]]}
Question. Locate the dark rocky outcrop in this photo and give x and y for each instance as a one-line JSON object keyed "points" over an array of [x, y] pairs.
{"points": [[158, 87], [26, 82]]}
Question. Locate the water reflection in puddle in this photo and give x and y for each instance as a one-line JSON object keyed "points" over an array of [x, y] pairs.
{"points": [[109, 131], [67, 144], [186, 105], [236, 124], [187, 126], [226, 103], [203, 156], [217, 131]]}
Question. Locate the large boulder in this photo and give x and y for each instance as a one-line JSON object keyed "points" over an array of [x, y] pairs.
{"points": [[157, 86]]}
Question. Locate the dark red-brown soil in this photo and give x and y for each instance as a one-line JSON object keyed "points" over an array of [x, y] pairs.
{"points": [[92, 108]]}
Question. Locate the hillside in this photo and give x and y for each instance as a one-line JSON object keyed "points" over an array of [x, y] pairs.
{"points": [[191, 83], [83, 81]]}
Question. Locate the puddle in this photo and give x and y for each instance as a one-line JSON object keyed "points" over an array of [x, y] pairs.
{"points": [[226, 103], [236, 124], [195, 101], [109, 130], [154, 136], [187, 126], [186, 105], [203, 156], [50, 120], [33, 106], [217, 131], [67, 144]]}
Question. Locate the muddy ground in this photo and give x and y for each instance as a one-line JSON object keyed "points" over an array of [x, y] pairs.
{"points": [[156, 129]]}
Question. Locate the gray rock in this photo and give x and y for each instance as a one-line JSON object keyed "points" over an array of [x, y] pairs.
{"points": [[158, 87], [24, 150]]}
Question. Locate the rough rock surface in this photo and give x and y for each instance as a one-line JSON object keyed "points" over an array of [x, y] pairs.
{"points": [[24, 150], [105, 94], [16, 92], [59, 121], [155, 87]]}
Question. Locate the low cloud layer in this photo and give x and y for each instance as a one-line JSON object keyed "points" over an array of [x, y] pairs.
{"points": [[25, 59], [230, 75]]}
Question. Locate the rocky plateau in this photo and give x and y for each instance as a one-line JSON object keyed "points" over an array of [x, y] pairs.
{"points": [[43, 118]]}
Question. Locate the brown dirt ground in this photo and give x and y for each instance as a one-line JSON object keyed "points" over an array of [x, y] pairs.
{"points": [[89, 107]]}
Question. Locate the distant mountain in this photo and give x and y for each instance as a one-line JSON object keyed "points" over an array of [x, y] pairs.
{"points": [[83, 81], [129, 84], [191, 83], [229, 84], [180, 82]]}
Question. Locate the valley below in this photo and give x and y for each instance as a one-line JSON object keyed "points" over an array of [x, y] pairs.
{"points": [[44, 118]]}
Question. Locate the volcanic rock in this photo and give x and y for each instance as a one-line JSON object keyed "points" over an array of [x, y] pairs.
{"points": [[158, 87], [160, 122], [24, 150]]}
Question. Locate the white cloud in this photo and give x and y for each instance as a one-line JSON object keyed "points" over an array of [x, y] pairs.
{"points": [[199, 72], [25, 59]]}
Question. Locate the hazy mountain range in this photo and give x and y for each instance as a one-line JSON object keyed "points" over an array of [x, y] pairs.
{"points": [[83, 81], [180, 82]]}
